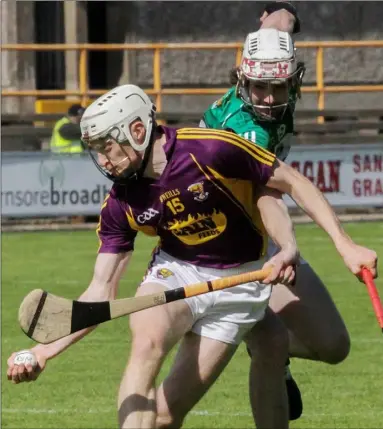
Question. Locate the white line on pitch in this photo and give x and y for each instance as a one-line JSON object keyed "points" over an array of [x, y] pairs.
{"points": [[194, 412], [47, 281]]}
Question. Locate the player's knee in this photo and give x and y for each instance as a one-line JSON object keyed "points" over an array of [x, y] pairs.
{"points": [[172, 408], [269, 341], [146, 348], [336, 350], [167, 420]]}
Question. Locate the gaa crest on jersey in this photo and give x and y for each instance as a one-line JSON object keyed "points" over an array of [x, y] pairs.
{"points": [[164, 273], [197, 189]]}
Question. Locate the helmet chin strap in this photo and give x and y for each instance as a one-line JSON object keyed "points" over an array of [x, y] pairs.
{"points": [[270, 113], [263, 112], [118, 163], [126, 175]]}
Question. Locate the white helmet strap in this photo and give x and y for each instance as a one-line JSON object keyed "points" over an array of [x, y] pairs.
{"points": [[121, 132], [145, 144]]}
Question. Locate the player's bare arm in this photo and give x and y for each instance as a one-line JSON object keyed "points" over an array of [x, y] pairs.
{"points": [[280, 229], [313, 202], [108, 271]]}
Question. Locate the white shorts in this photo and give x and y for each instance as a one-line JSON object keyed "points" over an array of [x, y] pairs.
{"points": [[224, 315], [272, 249]]}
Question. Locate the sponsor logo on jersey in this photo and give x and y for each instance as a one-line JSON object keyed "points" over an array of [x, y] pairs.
{"points": [[198, 229], [198, 191]]}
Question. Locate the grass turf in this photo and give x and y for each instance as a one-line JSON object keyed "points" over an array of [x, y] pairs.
{"points": [[79, 388]]}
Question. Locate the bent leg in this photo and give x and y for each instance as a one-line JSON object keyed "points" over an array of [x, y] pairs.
{"points": [[317, 330], [268, 345], [222, 318], [154, 332], [198, 363]]}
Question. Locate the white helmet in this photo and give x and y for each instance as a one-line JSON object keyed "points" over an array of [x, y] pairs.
{"points": [[112, 114], [269, 56]]}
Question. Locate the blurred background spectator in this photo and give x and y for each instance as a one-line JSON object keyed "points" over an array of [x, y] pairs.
{"points": [[66, 136]]}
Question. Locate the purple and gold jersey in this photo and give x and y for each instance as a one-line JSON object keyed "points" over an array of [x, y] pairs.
{"points": [[201, 206]]}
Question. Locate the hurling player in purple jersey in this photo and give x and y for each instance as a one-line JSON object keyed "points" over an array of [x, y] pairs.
{"points": [[191, 188]]}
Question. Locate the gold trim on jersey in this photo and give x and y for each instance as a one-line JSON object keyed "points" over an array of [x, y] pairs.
{"points": [[243, 192], [105, 201], [230, 134], [98, 228], [247, 206], [146, 229], [237, 203], [259, 153]]}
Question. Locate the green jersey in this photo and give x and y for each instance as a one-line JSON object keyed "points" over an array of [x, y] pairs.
{"points": [[230, 112]]}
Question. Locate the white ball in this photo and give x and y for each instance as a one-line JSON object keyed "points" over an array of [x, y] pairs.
{"points": [[25, 357]]}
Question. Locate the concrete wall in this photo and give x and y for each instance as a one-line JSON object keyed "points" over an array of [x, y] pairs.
{"points": [[230, 21], [17, 68], [186, 21]]}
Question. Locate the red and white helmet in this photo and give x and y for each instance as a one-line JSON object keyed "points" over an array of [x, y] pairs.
{"points": [[269, 56]]}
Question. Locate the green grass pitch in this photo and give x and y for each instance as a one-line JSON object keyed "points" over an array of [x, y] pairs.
{"points": [[79, 388]]}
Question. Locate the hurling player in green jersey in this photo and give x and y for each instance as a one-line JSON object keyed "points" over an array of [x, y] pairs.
{"points": [[260, 108]]}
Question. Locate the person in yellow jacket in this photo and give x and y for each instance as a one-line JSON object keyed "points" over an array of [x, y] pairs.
{"points": [[66, 136]]}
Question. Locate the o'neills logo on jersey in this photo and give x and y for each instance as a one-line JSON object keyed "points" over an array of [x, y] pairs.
{"points": [[198, 229]]}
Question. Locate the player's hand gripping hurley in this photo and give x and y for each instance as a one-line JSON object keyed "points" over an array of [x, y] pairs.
{"points": [[45, 317]]}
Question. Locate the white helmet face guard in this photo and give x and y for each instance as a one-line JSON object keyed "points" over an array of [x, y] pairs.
{"points": [[96, 146]]}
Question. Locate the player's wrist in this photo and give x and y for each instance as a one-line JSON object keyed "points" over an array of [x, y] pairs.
{"points": [[44, 351], [342, 243], [290, 253]]}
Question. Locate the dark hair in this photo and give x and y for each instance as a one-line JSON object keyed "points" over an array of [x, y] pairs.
{"points": [[233, 75], [75, 110]]}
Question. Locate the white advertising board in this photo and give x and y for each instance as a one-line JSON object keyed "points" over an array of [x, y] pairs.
{"points": [[39, 184], [349, 175], [42, 184]]}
